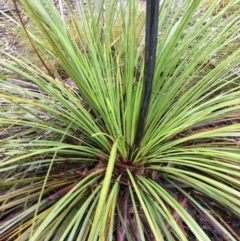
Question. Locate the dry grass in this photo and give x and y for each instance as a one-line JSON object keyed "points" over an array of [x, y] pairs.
{"points": [[221, 5]]}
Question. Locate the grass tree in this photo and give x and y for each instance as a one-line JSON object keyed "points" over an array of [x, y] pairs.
{"points": [[85, 156]]}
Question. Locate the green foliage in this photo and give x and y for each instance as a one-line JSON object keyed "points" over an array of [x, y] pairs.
{"points": [[66, 167]]}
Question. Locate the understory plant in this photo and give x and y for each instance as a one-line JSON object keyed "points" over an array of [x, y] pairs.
{"points": [[73, 165]]}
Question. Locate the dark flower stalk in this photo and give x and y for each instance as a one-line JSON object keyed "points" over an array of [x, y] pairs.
{"points": [[150, 58]]}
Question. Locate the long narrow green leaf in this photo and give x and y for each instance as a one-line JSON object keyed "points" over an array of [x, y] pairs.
{"points": [[104, 191]]}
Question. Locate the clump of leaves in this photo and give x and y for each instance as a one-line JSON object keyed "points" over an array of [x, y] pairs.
{"points": [[71, 166]]}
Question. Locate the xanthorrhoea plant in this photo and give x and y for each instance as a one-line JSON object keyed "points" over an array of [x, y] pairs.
{"points": [[69, 166]]}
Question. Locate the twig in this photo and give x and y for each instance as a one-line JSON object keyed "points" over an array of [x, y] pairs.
{"points": [[24, 84]]}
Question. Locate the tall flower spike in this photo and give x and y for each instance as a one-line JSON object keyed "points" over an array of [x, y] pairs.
{"points": [[152, 12]]}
